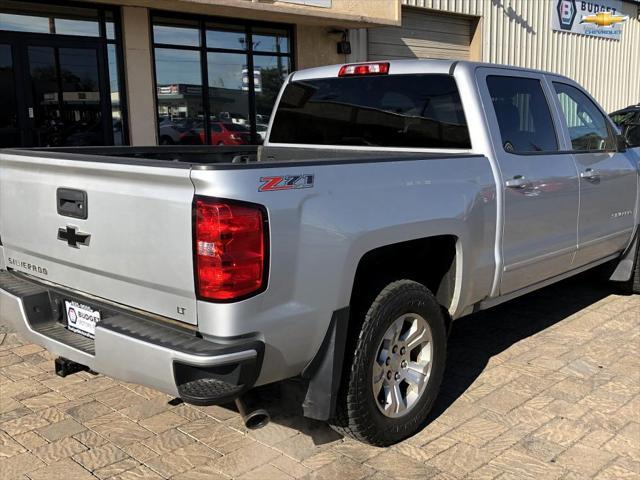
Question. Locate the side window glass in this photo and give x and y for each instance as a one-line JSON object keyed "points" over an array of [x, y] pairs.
{"points": [[523, 114], [587, 125]]}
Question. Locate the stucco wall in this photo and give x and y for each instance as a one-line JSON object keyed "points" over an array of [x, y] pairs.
{"points": [[139, 75], [345, 13], [315, 46]]}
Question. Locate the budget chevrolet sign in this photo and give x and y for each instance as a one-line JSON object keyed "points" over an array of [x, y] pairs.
{"points": [[599, 19]]}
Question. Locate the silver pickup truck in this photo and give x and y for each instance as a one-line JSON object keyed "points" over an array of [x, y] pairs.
{"points": [[389, 199]]}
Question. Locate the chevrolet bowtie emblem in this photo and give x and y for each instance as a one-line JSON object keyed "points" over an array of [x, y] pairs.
{"points": [[604, 19], [73, 237]]}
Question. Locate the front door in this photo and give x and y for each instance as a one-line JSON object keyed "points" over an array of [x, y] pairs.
{"points": [[608, 178], [55, 93], [539, 181]]}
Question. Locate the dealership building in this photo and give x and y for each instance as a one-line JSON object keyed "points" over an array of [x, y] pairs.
{"points": [[146, 72]]}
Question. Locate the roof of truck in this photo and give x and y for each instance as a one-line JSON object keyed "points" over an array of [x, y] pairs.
{"points": [[412, 66]]}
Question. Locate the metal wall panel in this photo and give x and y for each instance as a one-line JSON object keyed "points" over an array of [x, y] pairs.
{"points": [[518, 32], [422, 35]]}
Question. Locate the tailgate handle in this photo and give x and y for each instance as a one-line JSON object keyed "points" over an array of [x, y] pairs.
{"points": [[72, 203]]}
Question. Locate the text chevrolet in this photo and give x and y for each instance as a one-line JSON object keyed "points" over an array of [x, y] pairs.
{"points": [[388, 199]]}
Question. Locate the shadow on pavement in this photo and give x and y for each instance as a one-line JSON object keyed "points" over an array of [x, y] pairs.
{"points": [[474, 340]]}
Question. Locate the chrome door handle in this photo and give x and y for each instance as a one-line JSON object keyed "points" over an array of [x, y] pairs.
{"points": [[519, 181], [590, 174]]}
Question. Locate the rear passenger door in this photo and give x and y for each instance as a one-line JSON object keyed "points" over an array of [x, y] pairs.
{"points": [[608, 178], [539, 180]]}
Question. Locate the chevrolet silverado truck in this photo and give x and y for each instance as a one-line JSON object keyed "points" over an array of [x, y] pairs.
{"points": [[388, 200]]}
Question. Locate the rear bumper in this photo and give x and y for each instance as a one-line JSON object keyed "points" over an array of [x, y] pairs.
{"points": [[131, 346]]}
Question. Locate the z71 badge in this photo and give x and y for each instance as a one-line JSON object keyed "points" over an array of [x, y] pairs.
{"points": [[285, 182]]}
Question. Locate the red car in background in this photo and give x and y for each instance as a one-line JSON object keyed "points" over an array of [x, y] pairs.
{"points": [[228, 134], [222, 133]]}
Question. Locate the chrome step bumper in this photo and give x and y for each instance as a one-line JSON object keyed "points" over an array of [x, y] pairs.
{"points": [[132, 347]]}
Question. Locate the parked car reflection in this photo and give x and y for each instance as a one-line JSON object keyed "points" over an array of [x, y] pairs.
{"points": [[224, 133]]}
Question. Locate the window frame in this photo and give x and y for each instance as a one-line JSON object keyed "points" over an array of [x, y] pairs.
{"points": [[201, 21], [550, 105], [607, 120], [103, 40]]}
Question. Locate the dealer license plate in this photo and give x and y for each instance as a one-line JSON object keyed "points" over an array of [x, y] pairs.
{"points": [[81, 318]]}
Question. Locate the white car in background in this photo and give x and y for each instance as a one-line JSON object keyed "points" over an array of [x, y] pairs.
{"points": [[261, 130]]}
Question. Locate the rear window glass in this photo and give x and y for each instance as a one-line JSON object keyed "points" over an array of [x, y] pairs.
{"points": [[412, 111]]}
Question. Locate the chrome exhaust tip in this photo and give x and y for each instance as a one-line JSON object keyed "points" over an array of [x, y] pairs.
{"points": [[253, 418]]}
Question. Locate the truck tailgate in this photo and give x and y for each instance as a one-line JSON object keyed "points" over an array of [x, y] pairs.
{"points": [[139, 252]]}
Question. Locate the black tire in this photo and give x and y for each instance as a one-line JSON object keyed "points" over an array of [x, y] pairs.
{"points": [[357, 414], [632, 285], [166, 140]]}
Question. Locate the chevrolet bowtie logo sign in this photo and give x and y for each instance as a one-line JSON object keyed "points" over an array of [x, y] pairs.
{"points": [[73, 237], [594, 18], [604, 19]]}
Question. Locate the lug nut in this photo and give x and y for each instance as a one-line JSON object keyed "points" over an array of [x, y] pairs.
{"points": [[402, 350], [389, 375], [388, 361], [397, 376], [395, 349], [404, 364]]}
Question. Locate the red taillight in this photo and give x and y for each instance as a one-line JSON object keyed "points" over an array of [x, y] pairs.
{"points": [[364, 69], [229, 249]]}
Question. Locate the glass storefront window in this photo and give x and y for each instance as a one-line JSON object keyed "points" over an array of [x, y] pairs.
{"points": [[226, 37], [228, 98], [272, 72], [39, 18], [272, 40], [85, 28], [24, 23], [237, 99], [109, 26], [179, 94], [170, 33]]}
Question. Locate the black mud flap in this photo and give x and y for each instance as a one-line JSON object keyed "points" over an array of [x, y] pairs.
{"points": [[624, 268], [324, 372]]}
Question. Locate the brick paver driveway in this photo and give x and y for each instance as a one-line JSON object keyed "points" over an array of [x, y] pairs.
{"points": [[543, 387]]}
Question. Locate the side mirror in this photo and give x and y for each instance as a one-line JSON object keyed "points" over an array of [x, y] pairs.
{"points": [[621, 143], [632, 135]]}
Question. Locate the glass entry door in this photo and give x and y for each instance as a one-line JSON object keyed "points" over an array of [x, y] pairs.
{"points": [[10, 132], [65, 96], [54, 93]]}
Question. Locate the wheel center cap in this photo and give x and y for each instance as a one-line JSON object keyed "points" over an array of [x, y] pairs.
{"points": [[395, 363]]}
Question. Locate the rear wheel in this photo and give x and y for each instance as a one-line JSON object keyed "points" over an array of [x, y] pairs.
{"points": [[397, 366]]}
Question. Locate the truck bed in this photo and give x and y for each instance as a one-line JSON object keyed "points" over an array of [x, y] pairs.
{"points": [[221, 157]]}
